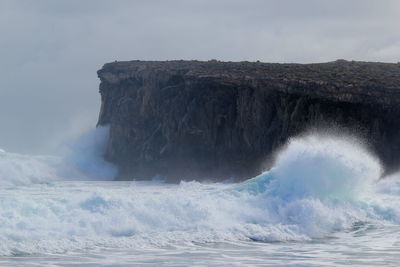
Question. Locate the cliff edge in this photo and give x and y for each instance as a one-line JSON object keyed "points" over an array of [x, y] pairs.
{"points": [[187, 120]]}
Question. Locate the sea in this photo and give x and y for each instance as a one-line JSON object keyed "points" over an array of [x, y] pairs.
{"points": [[324, 203]]}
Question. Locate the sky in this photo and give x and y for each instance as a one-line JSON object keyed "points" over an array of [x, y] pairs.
{"points": [[50, 50]]}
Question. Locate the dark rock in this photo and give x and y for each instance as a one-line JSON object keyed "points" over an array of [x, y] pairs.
{"points": [[197, 120]]}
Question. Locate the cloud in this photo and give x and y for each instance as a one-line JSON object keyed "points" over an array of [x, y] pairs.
{"points": [[50, 50]]}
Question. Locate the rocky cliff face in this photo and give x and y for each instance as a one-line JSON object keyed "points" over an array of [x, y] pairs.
{"points": [[196, 120]]}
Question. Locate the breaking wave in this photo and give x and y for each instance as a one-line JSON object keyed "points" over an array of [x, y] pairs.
{"points": [[80, 159], [18, 169], [319, 187]]}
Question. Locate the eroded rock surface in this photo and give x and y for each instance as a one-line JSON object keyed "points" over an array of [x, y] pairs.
{"points": [[188, 120]]}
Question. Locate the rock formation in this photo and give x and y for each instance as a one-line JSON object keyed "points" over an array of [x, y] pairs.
{"points": [[198, 120]]}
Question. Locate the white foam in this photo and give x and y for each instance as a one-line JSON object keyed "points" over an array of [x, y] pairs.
{"points": [[18, 169], [389, 185], [320, 167], [81, 159]]}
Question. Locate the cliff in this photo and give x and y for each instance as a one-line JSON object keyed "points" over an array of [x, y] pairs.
{"points": [[196, 120]]}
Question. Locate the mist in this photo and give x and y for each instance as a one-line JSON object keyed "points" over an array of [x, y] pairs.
{"points": [[50, 50]]}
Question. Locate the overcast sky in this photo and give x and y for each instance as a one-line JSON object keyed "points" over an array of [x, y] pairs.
{"points": [[50, 50]]}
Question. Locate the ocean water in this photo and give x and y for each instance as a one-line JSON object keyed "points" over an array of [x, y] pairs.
{"points": [[323, 204]]}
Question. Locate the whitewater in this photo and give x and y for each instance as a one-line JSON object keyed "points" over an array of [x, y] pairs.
{"points": [[322, 204]]}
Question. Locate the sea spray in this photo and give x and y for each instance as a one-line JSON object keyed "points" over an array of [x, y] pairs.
{"points": [[79, 159], [16, 169], [83, 157], [319, 167]]}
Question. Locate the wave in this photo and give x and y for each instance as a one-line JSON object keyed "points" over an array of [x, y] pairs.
{"points": [[319, 186], [322, 185], [81, 159], [16, 169]]}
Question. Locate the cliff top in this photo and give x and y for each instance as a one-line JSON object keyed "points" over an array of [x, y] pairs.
{"points": [[341, 80], [365, 74]]}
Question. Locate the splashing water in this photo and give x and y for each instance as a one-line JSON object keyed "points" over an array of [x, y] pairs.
{"points": [[319, 167], [81, 160], [320, 187]]}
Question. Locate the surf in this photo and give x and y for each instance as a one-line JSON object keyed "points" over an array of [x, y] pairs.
{"points": [[319, 187], [80, 159]]}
